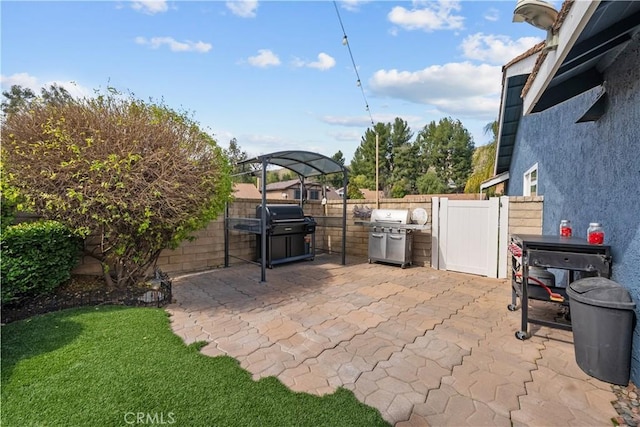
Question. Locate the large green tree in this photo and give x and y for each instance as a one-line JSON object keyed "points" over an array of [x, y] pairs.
{"points": [[336, 179], [406, 170], [18, 97], [355, 184], [363, 163], [137, 177], [235, 154], [390, 137], [429, 183], [447, 147]]}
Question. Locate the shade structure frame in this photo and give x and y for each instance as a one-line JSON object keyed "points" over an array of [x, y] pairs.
{"points": [[305, 164]]}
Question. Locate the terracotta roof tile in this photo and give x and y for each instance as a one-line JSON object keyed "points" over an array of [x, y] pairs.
{"points": [[535, 49], [371, 194], [283, 185], [246, 191]]}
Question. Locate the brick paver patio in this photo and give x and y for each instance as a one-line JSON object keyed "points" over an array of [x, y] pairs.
{"points": [[424, 347]]}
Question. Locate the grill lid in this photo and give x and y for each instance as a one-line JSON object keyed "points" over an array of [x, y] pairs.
{"points": [[394, 216], [281, 212]]}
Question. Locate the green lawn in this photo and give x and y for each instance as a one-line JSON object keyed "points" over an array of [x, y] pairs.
{"points": [[112, 366]]}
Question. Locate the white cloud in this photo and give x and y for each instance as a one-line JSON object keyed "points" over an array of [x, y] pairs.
{"points": [[264, 58], [473, 106], [257, 144], [243, 8], [20, 79], [174, 45], [31, 82], [150, 7], [324, 62], [350, 136], [495, 49], [461, 89], [365, 120], [492, 14], [428, 16], [349, 121], [352, 5]]}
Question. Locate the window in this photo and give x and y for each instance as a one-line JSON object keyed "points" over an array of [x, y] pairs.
{"points": [[296, 194], [314, 195], [530, 181]]}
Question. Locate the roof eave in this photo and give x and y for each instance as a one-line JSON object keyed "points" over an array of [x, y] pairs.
{"points": [[521, 65], [494, 180], [575, 21]]}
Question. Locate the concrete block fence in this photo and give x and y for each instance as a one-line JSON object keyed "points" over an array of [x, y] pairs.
{"points": [[206, 251]]}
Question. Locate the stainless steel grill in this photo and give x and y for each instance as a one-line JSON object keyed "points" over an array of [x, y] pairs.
{"points": [[290, 234], [390, 236]]}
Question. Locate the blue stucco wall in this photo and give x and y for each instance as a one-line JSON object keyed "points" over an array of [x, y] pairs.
{"points": [[590, 172]]}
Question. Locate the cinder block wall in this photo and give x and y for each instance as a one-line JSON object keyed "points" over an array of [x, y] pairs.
{"points": [[357, 234], [328, 234], [525, 217], [525, 214], [206, 251]]}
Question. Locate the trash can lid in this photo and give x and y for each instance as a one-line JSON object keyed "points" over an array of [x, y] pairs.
{"points": [[600, 292]]}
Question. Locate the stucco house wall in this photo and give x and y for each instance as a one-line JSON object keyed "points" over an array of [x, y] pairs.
{"points": [[590, 172]]}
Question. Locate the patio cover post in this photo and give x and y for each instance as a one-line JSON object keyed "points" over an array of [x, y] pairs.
{"points": [[345, 181], [263, 223], [226, 234]]}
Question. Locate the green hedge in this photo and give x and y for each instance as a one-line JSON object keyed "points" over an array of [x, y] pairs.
{"points": [[36, 258], [7, 212]]}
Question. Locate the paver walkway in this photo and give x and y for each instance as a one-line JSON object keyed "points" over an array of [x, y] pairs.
{"points": [[424, 347]]}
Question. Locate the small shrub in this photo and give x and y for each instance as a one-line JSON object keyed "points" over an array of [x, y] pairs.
{"points": [[36, 258]]}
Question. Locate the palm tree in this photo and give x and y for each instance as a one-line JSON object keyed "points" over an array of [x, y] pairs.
{"points": [[483, 160]]}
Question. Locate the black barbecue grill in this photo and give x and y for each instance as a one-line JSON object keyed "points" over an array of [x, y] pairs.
{"points": [[290, 234]]}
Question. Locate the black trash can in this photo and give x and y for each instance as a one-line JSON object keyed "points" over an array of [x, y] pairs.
{"points": [[602, 316]]}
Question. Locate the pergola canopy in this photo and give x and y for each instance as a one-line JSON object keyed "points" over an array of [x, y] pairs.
{"points": [[304, 163]]}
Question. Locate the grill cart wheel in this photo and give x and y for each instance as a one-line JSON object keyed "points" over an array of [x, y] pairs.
{"points": [[512, 307], [521, 335]]}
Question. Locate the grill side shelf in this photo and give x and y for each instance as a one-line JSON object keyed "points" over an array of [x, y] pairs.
{"points": [[393, 225], [245, 225], [570, 260]]}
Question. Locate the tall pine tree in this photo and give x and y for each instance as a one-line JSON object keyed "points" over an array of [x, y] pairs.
{"points": [[391, 137], [448, 148]]}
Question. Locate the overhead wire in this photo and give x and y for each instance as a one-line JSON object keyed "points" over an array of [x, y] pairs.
{"points": [[345, 41]]}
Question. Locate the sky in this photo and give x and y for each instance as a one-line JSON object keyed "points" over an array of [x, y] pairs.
{"points": [[276, 75]]}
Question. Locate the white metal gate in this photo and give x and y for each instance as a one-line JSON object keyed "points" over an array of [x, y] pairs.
{"points": [[467, 235]]}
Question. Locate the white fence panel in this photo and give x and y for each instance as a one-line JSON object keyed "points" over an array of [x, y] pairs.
{"points": [[466, 234]]}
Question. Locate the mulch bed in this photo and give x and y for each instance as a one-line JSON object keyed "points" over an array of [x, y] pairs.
{"points": [[82, 291]]}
